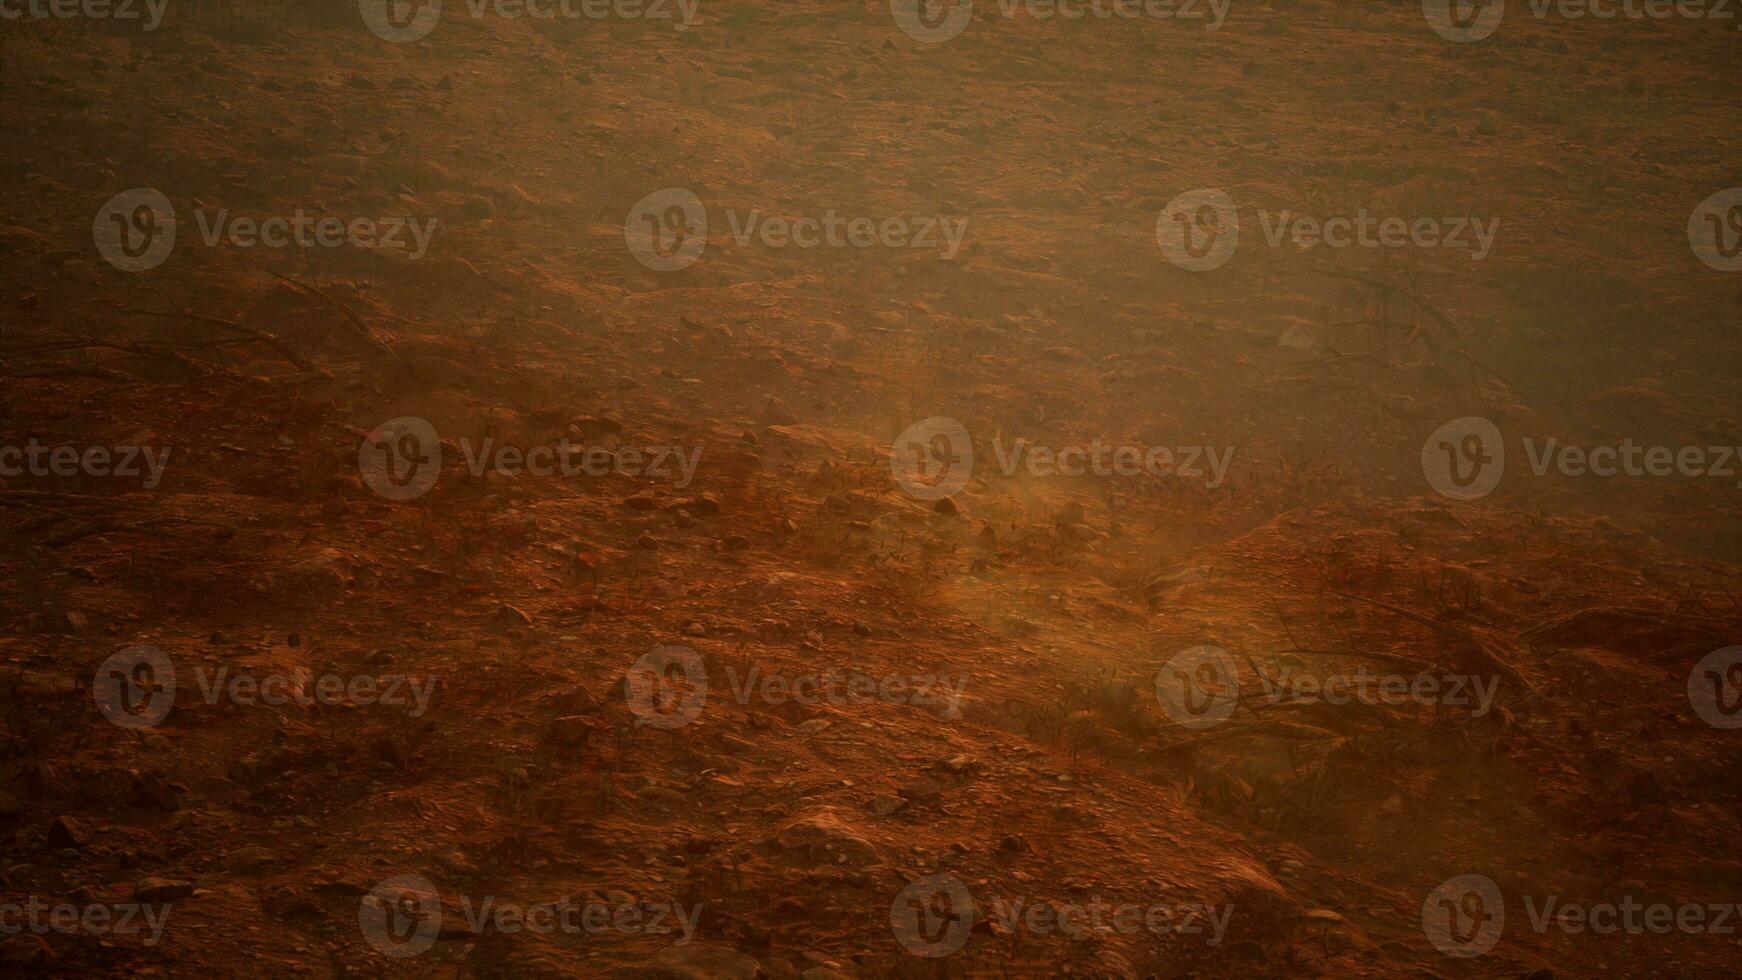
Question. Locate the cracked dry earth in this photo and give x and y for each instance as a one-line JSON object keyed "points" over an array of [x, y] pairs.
{"points": [[882, 688]]}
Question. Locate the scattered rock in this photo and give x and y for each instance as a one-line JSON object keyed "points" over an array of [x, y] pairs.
{"points": [[65, 831], [161, 889], [694, 961], [575, 700], [249, 859], [23, 951], [884, 804], [778, 412], [921, 790], [507, 615], [573, 731]]}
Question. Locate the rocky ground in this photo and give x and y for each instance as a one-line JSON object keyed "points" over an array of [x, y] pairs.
{"points": [[744, 689]]}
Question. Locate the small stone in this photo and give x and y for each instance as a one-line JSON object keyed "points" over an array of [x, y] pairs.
{"points": [[920, 790], [21, 951], [67, 832], [249, 859], [812, 727], [162, 889], [573, 731], [575, 700], [884, 804], [507, 615], [696, 961], [778, 412]]}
